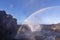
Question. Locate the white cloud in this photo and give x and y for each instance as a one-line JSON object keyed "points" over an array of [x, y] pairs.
{"points": [[28, 3], [11, 6]]}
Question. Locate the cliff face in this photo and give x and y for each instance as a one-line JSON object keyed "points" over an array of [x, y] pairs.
{"points": [[8, 26]]}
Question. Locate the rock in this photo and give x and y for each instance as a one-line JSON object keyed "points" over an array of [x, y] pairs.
{"points": [[8, 26]]}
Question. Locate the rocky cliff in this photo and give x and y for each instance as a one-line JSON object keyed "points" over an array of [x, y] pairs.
{"points": [[8, 26]]}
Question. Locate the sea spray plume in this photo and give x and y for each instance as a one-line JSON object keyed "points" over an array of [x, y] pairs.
{"points": [[33, 26]]}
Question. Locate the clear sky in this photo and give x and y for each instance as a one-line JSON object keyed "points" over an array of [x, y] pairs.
{"points": [[21, 9]]}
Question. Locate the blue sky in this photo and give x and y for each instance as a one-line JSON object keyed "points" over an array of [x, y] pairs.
{"points": [[21, 9]]}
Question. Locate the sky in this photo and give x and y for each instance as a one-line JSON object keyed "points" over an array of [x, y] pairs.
{"points": [[22, 9]]}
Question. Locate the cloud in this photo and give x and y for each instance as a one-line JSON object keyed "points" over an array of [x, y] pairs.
{"points": [[11, 6], [28, 3]]}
